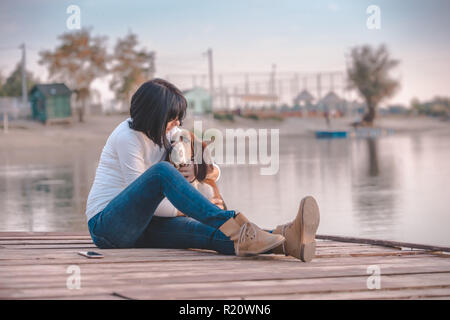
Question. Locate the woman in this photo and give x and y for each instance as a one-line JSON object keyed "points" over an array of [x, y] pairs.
{"points": [[139, 200]]}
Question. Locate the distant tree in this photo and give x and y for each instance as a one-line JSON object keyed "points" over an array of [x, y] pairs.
{"points": [[368, 72], [77, 61], [2, 82], [417, 106], [12, 86], [130, 67], [437, 107]]}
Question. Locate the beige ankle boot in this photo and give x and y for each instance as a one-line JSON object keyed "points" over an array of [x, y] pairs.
{"points": [[248, 238], [300, 234]]}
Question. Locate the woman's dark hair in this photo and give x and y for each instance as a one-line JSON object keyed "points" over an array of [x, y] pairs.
{"points": [[155, 103]]}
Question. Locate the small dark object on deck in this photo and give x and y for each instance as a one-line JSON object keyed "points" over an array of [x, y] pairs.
{"points": [[90, 254]]}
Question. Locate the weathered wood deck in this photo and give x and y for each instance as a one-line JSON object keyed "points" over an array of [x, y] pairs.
{"points": [[34, 266]]}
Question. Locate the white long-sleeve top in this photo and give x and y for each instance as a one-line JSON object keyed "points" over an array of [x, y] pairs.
{"points": [[126, 155]]}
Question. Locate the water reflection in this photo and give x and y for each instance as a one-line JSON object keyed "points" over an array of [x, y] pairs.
{"points": [[46, 192], [373, 157], [373, 189]]}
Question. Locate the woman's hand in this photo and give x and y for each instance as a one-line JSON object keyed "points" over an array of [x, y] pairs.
{"points": [[218, 202], [213, 174], [188, 172], [180, 214]]}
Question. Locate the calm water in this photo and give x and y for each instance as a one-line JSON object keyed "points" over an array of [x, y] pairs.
{"points": [[394, 188]]}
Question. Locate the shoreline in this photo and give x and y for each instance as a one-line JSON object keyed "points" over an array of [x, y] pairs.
{"points": [[32, 134]]}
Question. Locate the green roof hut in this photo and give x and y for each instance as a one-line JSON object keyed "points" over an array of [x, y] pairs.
{"points": [[50, 102], [198, 101]]}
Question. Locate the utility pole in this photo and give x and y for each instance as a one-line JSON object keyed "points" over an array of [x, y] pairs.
{"points": [[332, 81], [211, 75], [280, 91], [24, 76], [221, 96], [247, 88], [272, 79], [319, 86]]}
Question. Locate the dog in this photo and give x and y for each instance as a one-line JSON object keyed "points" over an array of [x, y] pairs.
{"points": [[182, 153]]}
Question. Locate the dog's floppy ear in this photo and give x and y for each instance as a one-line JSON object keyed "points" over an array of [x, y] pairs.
{"points": [[202, 169], [192, 142], [213, 138], [206, 159]]}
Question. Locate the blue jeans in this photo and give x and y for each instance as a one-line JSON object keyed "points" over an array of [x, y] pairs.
{"points": [[128, 221]]}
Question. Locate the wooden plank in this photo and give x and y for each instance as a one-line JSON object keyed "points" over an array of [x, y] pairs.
{"points": [[80, 237], [386, 243], [57, 241], [144, 289], [49, 246], [60, 239], [336, 239], [200, 266], [67, 238], [10, 254], [41, 234], [211, 290], [111, 296], [155, 255], [53, 259], [194, 276], [422, 293], [69, 259], [320, 250]]}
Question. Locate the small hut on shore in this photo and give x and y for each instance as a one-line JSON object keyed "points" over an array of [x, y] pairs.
{"points": [[304, 99], [331, 103], [50, 102], [198, 100]]}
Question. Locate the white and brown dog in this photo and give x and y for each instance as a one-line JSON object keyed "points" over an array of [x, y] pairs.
{"points": [[183, 153]]}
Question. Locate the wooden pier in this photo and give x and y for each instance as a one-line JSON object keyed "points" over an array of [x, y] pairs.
{"points": [[37, 265]]}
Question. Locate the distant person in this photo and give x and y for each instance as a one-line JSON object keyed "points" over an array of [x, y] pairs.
{"points": [[357, 122], [326, 115], [138, 200]]}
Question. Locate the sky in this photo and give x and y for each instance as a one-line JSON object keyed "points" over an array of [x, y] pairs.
{"points": [[246, 35]]}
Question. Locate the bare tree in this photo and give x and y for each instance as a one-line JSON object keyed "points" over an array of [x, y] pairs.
{"points": [[368, 72], [130, 67], [77, 61]]}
